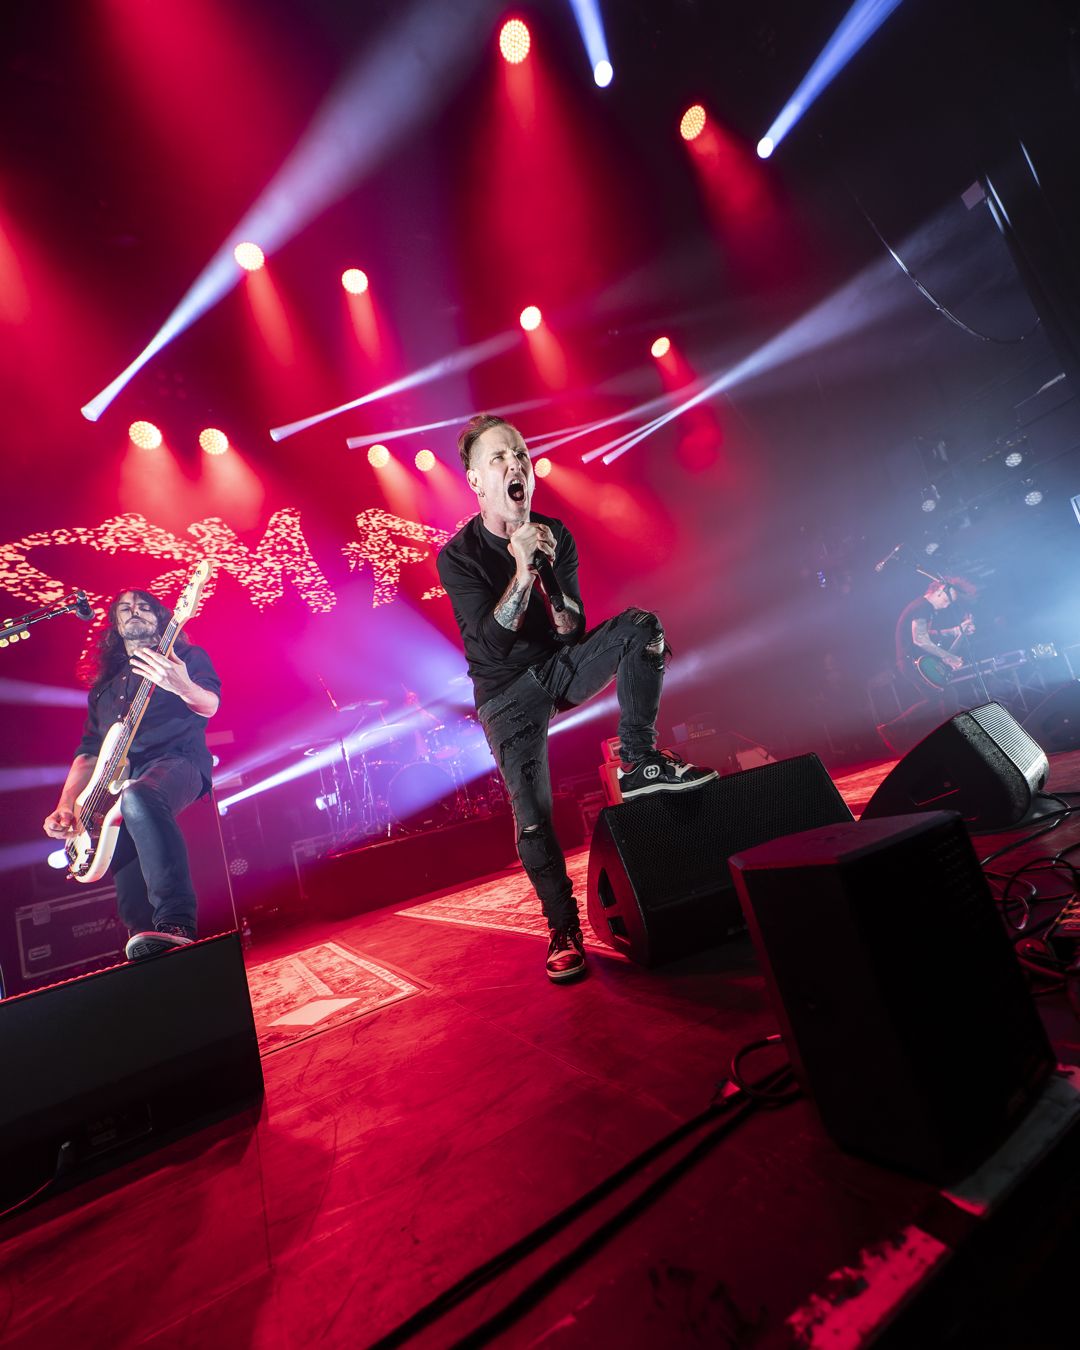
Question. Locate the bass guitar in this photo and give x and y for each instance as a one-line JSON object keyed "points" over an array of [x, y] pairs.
{"points": [[97, 810]]}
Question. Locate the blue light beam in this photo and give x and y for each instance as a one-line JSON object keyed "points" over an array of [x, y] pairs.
{"points": [[387, 96], [591, 27], [856, 28]]}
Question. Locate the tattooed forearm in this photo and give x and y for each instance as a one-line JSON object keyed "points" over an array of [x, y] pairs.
{"points": [[569, 619], [510, 611]]}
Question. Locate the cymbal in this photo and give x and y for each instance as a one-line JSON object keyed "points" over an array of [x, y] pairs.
{"points": [[363, 703], [459, 679]]}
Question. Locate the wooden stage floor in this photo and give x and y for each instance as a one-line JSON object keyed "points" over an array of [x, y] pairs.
{"points": [[431, 1098]]}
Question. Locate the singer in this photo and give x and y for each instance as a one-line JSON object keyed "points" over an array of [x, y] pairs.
{"points": [[170, 769], [507, 571]]}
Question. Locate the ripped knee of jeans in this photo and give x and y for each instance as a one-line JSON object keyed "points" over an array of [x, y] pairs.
{"points": [[657, 645]]}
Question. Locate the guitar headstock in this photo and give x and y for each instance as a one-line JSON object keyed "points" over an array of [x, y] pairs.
{"points": [[189, 596]]}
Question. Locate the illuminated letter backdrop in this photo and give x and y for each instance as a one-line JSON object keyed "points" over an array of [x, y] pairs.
{"points": [[385, 542]]}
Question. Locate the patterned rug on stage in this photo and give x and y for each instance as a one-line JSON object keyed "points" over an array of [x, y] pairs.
{"points": [[299, 995], [507, 903]]}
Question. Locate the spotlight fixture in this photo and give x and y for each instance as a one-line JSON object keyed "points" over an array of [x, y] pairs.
{"points": [[542, 467], [530, 318], [932, 547], [145, 435], [249, 256], [765, 147], [378, 457], [514, 42], [929, 504], [214, 442], [661, 347], [603, 74], [354, 281], [1013, 459], [1033, 497], [424, 461], [693, 123]]}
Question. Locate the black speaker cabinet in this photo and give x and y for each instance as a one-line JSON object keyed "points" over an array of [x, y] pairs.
{"points": [[981, 763], [659, 885], [1055, 722], [100, 1069], [900, 1000]]}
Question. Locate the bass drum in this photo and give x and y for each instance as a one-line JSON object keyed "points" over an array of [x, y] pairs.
{"points": [[422, 796]]}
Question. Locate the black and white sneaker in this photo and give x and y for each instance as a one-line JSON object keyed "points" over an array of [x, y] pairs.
{"points": [[165, 939], [662, 771]]}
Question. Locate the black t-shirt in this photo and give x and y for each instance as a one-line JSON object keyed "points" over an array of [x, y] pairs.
{"points": [[938, 622], [168, 726], [476, 567]]}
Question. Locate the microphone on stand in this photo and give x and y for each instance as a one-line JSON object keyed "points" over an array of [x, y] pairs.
{"points": [[542, 564], [83, 608], [887, 558]]}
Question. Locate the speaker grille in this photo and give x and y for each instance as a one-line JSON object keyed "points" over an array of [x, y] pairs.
{"points": [[1025, 752], [676, 844]]}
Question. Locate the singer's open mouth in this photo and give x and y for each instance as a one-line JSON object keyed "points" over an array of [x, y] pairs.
{"points": [[516, 491]]}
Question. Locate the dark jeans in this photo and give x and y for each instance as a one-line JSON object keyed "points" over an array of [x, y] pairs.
{"points": [[150, 861], [516, 725]]}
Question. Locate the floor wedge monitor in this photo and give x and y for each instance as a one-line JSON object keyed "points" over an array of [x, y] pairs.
{"points": [[1055, 722], [981, 763], [101, 1069], [901, 1002], [659, 884]]}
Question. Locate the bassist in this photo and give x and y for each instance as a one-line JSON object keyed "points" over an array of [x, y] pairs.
{"points": [[169, 766]]}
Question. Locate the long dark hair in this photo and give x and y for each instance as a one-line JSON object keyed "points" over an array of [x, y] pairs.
{"points": [[112, 654]]}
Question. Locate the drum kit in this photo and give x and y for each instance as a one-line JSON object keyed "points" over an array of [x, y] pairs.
{"points": [[400, 777]]}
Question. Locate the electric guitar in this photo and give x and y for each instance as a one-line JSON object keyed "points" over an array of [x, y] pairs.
{"points": [[98, 814], [932, 670]]}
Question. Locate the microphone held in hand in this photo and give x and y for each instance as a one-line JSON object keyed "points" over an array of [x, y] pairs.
{"points": [[544, 569]]}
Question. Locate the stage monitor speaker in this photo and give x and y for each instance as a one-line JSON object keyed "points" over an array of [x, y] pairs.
{"points": [[981, 763], [900, 1000], [100, 1069], [659, 885], [1055, 722]]}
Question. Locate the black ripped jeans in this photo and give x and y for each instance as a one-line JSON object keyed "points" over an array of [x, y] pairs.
{"points": [[629, 647]]}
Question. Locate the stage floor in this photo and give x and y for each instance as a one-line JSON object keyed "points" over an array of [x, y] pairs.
{"points": [[431, 1098]]}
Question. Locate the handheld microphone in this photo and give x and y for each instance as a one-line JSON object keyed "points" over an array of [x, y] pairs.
{"points": [[887, 558], [83, 609], [542, 564]]}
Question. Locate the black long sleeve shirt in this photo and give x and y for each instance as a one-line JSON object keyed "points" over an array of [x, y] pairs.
{"points": [[476, 567], [168, 726]]}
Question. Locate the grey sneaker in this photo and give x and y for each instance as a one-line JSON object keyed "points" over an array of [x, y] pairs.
{"points": [[165, 939]]}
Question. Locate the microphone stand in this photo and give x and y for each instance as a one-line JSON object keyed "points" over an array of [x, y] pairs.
{"points": [[15, 630]]}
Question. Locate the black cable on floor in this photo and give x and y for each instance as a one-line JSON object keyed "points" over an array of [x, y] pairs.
{"points": [[738, 1104]]}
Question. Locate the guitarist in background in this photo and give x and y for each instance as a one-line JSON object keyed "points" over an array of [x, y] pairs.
{"points": [[169, 766], [931, 626]]}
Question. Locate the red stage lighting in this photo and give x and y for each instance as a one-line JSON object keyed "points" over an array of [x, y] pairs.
{"points": [[145, 435], [514, 41], [378, 457], [249, 256], [214, 442], [354, 281], [693, 123], [542, 468], [661, 347], [530, 318], [425, 461]]}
